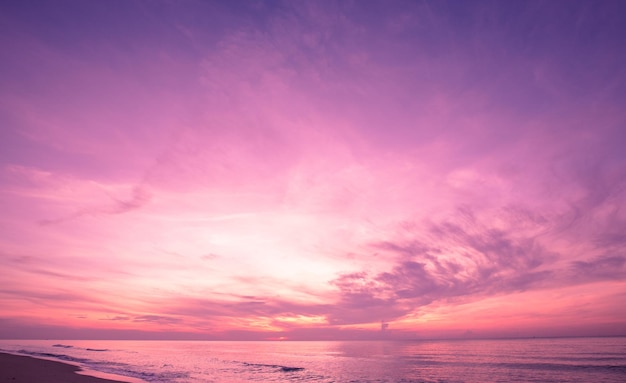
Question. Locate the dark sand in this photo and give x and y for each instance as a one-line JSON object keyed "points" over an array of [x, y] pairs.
{"points": [[24, 369]]}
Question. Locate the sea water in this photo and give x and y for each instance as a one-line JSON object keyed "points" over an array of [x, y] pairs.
{"points": [[442, 361]]}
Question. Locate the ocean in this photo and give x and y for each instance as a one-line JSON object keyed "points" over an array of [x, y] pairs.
{"points": [[442, 361]]}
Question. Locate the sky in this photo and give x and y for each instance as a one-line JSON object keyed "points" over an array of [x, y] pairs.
{"points": [[312, 169]]}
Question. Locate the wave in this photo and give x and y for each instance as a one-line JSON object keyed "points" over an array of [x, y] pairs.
{"points": [[64, 357], [275, 366], [124, 369], [79, 348]]}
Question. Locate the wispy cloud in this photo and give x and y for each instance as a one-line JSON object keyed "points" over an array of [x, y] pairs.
{"points": [[139, 197]]}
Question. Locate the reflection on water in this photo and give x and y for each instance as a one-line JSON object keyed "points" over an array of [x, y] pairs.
{"points": [[522, 360]]}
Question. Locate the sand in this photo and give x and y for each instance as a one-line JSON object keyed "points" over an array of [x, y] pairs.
{"points": [[24, 369]]}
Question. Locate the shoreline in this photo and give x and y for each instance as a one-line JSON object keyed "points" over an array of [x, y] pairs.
{"points": [[26, 369]]}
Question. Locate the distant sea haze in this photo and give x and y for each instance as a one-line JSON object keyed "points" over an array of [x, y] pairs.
{"points": [[547, 360]]}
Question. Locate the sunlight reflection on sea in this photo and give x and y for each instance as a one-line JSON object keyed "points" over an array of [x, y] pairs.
{"points": [[442, 361]]}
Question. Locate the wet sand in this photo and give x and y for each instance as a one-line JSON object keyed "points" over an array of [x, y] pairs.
{"points": [[24, 369]]}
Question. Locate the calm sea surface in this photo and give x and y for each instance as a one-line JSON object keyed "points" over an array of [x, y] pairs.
{"points": [[521, 360]]}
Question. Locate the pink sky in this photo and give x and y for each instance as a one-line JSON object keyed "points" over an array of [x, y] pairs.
{"points": [[306, 170]]}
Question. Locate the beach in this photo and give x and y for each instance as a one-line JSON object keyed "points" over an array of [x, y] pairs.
{"points": [[24, 369]]}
